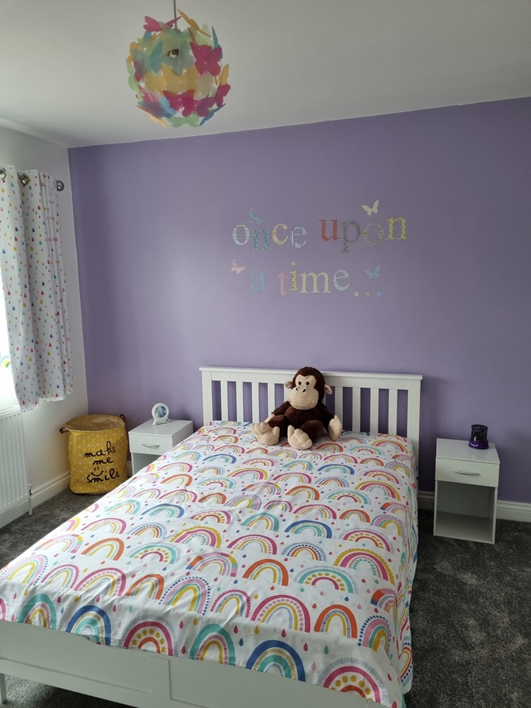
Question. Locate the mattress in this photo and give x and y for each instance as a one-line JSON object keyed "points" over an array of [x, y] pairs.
{"points": [[277, 560]]}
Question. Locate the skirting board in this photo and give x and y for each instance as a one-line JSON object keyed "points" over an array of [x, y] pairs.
{"points": [[42, 494], [510, 511]]}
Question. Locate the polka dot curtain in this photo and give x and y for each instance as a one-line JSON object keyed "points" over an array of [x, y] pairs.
{"points": [[31, 264]]}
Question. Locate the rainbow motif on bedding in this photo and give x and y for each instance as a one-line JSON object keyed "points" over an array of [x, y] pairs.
{"points": [[215, 640], [108, 581], [356, 676], [39, 610], [110, 548], [301, 549], [162, 552], [221, 516], [283, 609], [385, 598], [264, 543], [198, 534], [274, 570], [294, 563], [373, 559], [194, 593], [269, 521], [300, 477], [235, 601], [336, 615], [249, 473], [150, 635], [26, 569], [278, 657], [315, 528], [66, 543], [151, 586], [150, 530], [328, 576], [321, 511], [182, 479], [221, 563], [166, 510], [93, 622], [335, 469], [63, 576]]}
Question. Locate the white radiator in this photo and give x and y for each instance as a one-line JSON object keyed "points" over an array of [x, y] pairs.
{"points": [[14, 490]]}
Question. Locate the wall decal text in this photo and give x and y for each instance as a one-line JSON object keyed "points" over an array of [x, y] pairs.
{"points": [[297, 279]]}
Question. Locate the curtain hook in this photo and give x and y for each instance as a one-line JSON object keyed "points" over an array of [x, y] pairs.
{"points": [[3, 173], [24, 179], [59, 185]]}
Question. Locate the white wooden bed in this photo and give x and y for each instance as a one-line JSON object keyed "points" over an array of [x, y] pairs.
{"points": [[149, 680]]}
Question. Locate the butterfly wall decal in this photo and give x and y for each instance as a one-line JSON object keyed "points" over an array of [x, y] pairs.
{"points": [[254, 217], [373, 273], [238, 269], [373, 209]]}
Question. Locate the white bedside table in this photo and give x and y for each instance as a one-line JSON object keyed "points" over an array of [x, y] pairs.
{"points": [[466, 491], [148, 441]]}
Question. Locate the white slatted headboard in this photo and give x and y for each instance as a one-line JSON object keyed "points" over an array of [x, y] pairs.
{"points": [[370, 399]]}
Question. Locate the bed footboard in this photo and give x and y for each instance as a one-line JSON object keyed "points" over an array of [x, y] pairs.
{"points": [[147, 680]]}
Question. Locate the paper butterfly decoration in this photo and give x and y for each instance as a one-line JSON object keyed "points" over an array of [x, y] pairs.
{"points": [[373, 209], [373, 273], [237, 268], [177, 74]]}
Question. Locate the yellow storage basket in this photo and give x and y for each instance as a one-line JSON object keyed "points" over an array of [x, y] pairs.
{"points": [[97, 450]]}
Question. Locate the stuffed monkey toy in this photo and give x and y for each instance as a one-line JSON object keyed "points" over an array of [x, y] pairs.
{"points": [[303, 417]]}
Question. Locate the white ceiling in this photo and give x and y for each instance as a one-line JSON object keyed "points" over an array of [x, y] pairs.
{"points": [[63, 73]]}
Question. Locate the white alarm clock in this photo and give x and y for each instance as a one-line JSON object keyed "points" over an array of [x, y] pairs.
{"points": [[160, 413]]}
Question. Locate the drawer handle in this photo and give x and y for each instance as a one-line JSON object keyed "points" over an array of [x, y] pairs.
{"points": [[468, 474], [150, 446]]}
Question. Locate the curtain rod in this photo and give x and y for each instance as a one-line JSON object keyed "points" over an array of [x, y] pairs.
{"points": [[24, 179]]}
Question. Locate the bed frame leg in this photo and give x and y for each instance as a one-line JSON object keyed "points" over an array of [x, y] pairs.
{"points": [[3, 692]]}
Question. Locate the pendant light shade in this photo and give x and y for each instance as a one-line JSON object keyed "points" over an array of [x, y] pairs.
{"points": [[177, 73]]}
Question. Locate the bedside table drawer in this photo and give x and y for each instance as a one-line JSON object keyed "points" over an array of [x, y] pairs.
{"points": [[466, 472], [150, 444]]}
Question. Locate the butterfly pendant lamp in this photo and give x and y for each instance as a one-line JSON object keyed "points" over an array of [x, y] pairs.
{"points": [[177, 72]]}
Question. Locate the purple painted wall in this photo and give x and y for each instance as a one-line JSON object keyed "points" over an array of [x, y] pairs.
{"points": [[155, 234]]}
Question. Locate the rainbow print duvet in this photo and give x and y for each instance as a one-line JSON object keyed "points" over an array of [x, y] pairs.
{"points": [[298, 563]]}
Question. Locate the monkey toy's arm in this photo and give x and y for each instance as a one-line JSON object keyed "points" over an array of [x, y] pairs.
{"points": [[332, 423], [279, 411]]}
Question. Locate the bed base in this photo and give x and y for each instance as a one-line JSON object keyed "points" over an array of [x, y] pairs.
{"points": [[146, 680]]}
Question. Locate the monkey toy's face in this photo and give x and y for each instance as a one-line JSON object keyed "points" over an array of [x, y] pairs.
{"points": [[303, 394]]}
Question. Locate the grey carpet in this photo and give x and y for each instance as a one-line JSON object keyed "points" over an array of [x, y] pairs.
{"points": [[470, 616]]}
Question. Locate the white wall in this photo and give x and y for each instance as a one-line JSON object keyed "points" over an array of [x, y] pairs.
{"points": [[46, 448]]}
